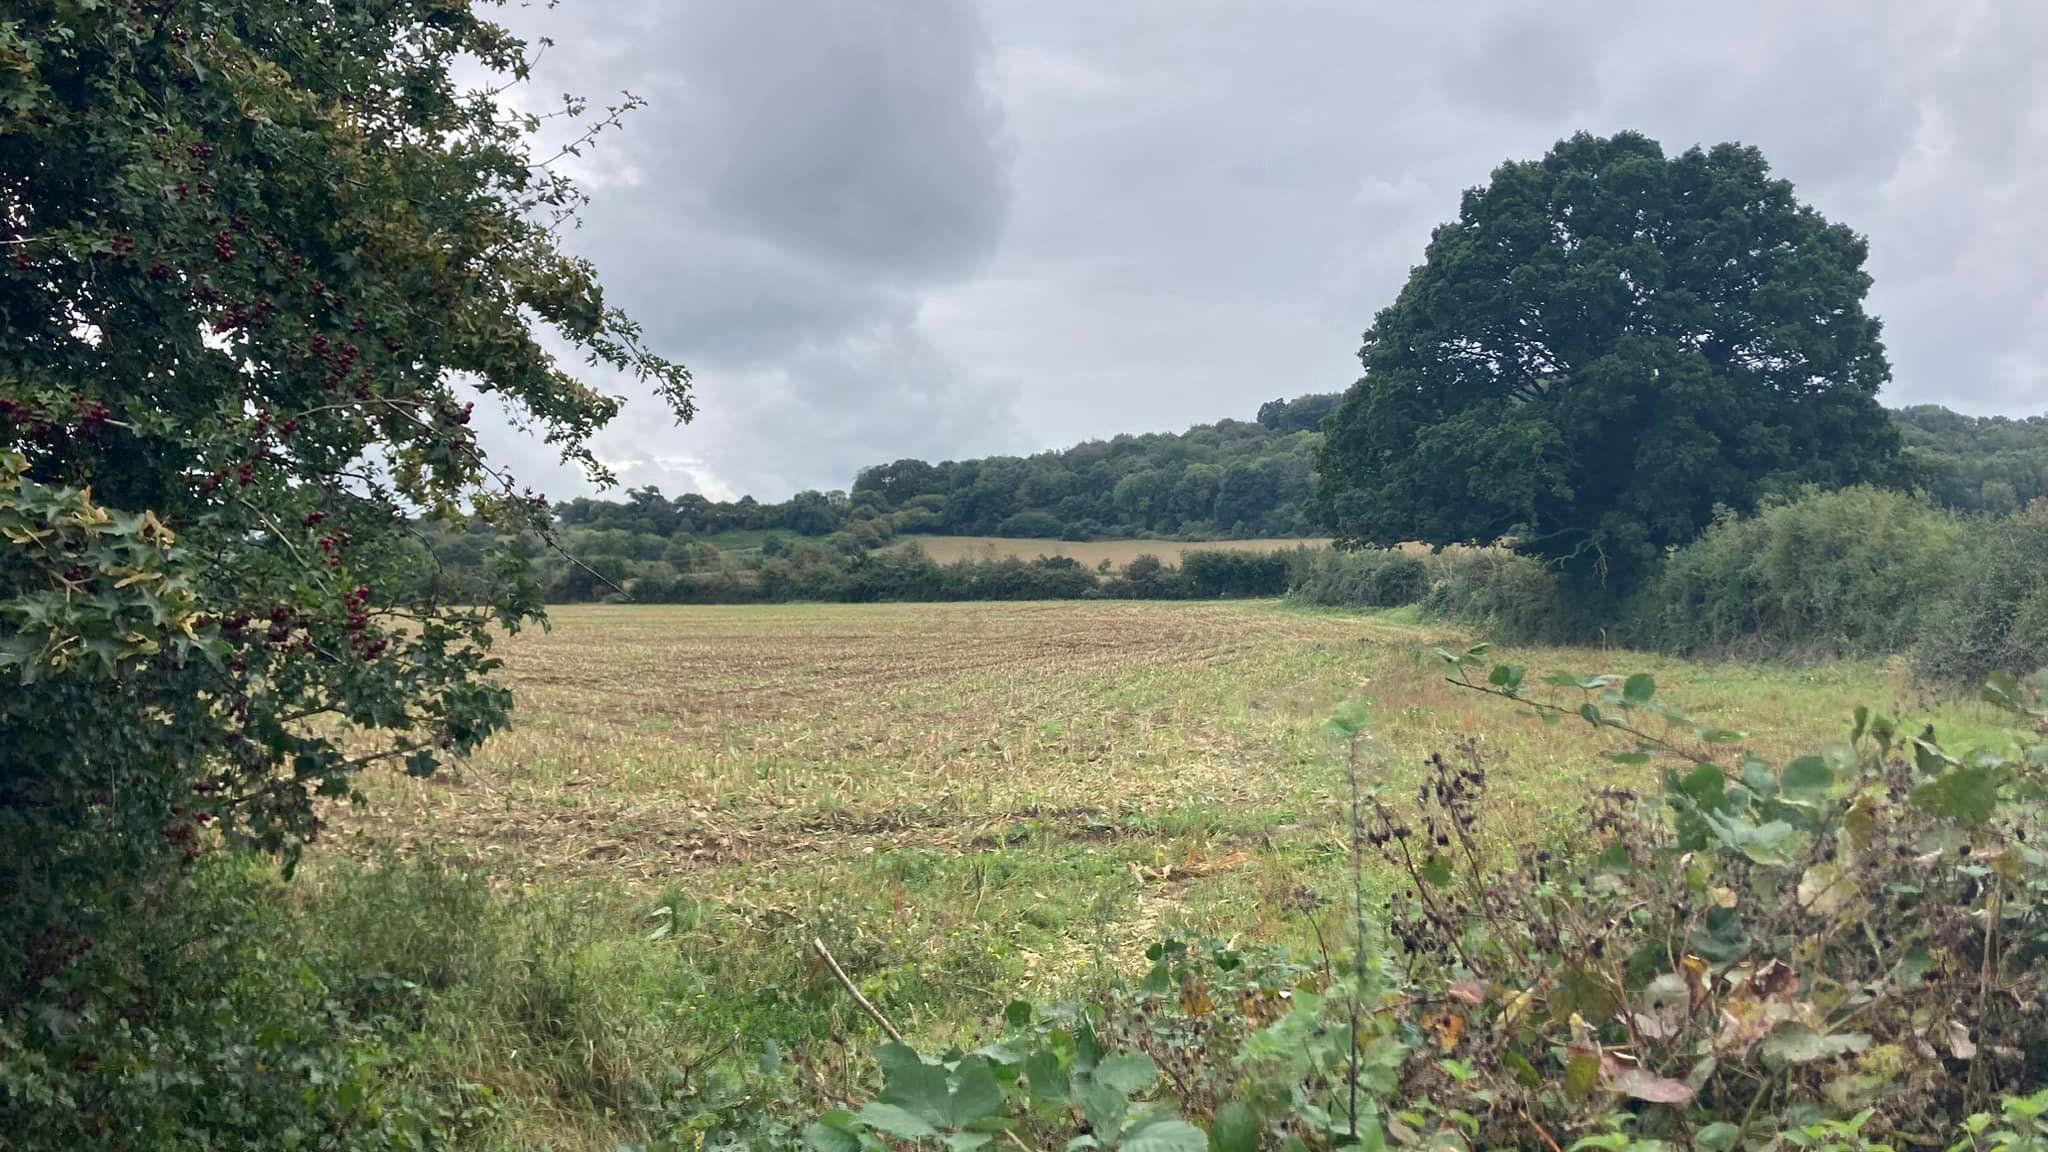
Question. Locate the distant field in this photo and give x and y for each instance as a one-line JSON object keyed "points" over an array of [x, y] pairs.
{"points": [[946, 549]]}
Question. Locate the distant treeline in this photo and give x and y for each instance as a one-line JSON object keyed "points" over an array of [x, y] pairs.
{"points": [[1230, 479]]}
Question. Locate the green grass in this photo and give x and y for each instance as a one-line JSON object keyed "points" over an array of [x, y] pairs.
{"points": [[968, 802]]}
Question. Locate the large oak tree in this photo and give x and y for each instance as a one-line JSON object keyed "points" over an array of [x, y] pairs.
{"points": [[1606, 344]]}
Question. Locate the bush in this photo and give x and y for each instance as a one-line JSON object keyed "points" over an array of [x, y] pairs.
{"points": [[1996, 615], [1212, 573], [1033, 524], [217, 1021], [1147, 577], [1513, 598], [1363, 578], [1854, 571]]}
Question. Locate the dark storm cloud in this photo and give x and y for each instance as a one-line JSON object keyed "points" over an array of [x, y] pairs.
{"points": [[900, 228]]}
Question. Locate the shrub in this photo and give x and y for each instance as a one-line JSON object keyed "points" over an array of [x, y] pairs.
{"points": [[1844, 572], [1996, 615], [218, 1022], [1363, 578], [1147, 577], [1513, 598], [1031, 524], [1217, 572]]}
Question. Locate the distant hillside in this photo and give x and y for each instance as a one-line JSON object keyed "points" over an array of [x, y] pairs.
{"points": [[1234, 479], [1231, 479], [1976, 463]]}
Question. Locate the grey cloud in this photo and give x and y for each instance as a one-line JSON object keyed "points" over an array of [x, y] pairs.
{"points": [[881, 229], [804, 174]]}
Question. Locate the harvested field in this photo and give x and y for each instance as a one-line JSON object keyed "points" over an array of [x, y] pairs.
{"points": [[1013, 790]]}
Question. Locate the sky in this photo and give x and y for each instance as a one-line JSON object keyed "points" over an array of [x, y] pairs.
{"points": [[878, 229]]}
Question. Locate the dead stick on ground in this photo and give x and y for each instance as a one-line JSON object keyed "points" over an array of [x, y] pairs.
{"points": [[825, 954]]}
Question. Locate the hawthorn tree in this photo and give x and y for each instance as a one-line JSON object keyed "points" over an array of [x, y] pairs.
{"points": [[1603, 346], [253, 256]]}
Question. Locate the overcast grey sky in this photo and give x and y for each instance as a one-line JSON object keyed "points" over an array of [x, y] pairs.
{"points": [[887, 228]]}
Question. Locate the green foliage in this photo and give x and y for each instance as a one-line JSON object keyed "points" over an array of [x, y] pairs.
{"points": [[1975, 463], [1995, 617], [1214, 573], [257, 254], [401, 1006], [1049, 1068], [1853, 571], [1512, 598], [1813, 953], [1603, 347], [1364, 578]]}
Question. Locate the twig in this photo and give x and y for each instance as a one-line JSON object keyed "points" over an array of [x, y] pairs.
{"points": [[1541, 1131], [825, 954]]}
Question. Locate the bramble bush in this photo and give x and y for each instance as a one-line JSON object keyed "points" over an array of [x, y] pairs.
{"points": [[1843, 949]]}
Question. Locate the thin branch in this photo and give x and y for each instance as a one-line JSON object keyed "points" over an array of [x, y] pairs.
{"points": [[825, 954]]}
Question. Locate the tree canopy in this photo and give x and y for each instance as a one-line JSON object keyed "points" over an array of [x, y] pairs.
{"points": [[1605, 345], [257, 262]]}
